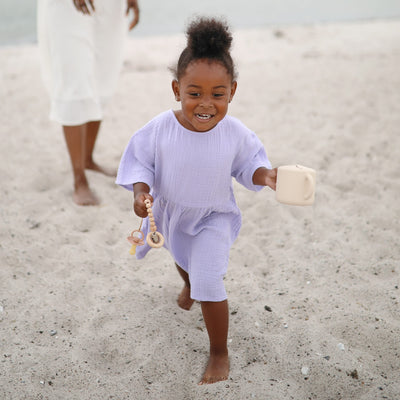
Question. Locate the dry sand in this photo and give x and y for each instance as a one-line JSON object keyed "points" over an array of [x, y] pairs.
{"points": [[313, 291]]}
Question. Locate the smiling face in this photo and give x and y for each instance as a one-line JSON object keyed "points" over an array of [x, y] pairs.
{"points": [[205, 90]]}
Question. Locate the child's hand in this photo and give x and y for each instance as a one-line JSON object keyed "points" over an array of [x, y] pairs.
{"points": [[265, 177], [270, 179], [139, 206], [140, 194]]}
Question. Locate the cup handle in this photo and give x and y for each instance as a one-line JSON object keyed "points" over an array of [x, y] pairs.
{"points": [[311, 184]]}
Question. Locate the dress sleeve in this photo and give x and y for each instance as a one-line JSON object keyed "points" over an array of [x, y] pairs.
{"points": [[251, 156], [137, 162]]}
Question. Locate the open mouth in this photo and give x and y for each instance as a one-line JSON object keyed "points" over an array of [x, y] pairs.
{"points": [[204, 117]]}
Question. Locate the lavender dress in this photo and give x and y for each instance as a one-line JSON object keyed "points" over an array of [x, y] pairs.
{"points": [[190, 176]]}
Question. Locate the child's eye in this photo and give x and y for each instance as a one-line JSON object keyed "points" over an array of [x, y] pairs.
{"points": [[219, 94], [194, 94]]}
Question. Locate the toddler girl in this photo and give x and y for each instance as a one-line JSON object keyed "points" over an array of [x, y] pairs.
{"points": [[184, 161]]}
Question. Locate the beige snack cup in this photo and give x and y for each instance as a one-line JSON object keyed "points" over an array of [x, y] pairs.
{"points": [[295, 185]]}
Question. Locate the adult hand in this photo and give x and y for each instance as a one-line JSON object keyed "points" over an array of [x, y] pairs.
{"points": [[83, 6], [133, 4]]}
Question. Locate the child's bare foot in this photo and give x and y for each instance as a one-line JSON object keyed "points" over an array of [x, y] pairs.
{"points": [[184, 299], [97, 168], [83, 196], [217, 369]]}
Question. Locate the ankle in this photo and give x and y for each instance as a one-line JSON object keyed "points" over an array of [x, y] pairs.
{"points": [[219, 351], [80, 180], [89, 162]]}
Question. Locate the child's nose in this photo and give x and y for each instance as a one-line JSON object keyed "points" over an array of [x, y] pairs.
{"points": [[206, 101]]}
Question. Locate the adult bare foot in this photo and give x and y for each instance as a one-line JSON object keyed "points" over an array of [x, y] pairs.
{"points": [[184, 299], [103, 170], [217, 369], [83, 196]]}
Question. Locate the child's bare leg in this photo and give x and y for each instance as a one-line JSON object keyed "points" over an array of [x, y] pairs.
{"points": [[75, 137], [92, 130], [184, 299], [216, 318]]}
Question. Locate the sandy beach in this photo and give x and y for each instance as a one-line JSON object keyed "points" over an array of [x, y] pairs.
{"points": [[313, 291]]}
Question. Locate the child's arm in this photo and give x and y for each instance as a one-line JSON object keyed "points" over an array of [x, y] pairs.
{"points": [[265, 177], [141, 192]]}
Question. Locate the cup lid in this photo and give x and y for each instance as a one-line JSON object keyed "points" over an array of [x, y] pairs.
{"points": [[295, 167]]}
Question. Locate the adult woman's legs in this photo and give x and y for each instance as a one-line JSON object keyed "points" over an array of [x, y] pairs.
{"points": [[76, 139], [81, 140], [92, 130]]}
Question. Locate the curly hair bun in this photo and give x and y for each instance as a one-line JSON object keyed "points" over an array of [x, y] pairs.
{"points": [[208, 38]]}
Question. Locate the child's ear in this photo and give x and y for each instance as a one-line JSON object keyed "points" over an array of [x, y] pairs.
{"points": [[175, 89], [233, 90]]}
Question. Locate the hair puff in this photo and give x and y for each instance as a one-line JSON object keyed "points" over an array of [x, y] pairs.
{"points": [[208, 38]]}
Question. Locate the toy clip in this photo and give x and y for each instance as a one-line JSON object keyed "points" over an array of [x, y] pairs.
{"points": [[154, 239]]}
